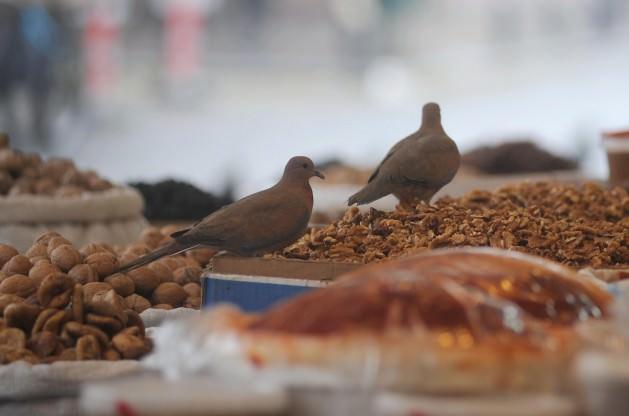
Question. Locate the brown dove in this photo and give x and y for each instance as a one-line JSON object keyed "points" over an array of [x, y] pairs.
{"points": [[416, 167], [265, 221]]}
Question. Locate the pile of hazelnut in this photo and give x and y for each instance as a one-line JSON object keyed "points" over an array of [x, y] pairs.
{"points": [[577, 225], [27, 173], [62, 303]]}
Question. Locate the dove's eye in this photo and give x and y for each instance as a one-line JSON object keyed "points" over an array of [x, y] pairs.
{"points": [[305, 166]]}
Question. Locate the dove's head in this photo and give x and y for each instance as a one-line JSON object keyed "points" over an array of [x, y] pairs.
{"points": [[301, 168], [431, 115]]}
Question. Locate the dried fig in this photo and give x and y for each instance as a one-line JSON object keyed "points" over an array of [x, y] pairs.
{"points": [[65, 256], [169, 293], [12, 338], [103, 263], [21, 315], [121, 283], [87, 348], [145, 280], [7, 252], [83, 274], [184, 275], [55, 291], [18, 264], [137, 303], [193, 289], [18, 285]]}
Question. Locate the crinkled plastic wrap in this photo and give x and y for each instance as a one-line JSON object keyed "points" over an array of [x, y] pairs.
{"points": [[452, 321]]}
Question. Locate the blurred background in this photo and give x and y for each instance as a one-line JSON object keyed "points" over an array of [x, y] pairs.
{"points": [[222, 93]]}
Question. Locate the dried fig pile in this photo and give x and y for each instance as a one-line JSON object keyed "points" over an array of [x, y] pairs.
{"points": [[62, 303], [575, 225], [27, 173]]}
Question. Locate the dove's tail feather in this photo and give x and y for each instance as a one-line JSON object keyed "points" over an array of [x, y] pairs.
{"points": [[371, 192], [168, 250]]}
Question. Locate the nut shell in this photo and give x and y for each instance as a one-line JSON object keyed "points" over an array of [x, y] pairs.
{"points": [[21, 315], [121, 283], [7, 299], [94, 288], [87, 348], [55, 291], [193, 289], [41, 270], [18, 285], [7, 252], [18, 264], [146, 281], [103, 263], [13, 338], [185, 275], [55, 242], [169, 293], [137, 303], [83, 274]]}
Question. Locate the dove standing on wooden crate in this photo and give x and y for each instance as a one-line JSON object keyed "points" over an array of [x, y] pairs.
{"points": [[416, 167], [265, 221]]}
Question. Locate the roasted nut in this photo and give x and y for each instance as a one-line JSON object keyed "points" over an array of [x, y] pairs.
{"points": [[169, 293], [193, 302], [171, 262], [55, 291], [43, 344], [151, 237], [184, 275], [137, 303], [193, 289], [18, 285], [41, 270], [130, 344], [6, 253], [91, 290], [46, 237], [145, 280], [17, 265], [163, 273], [121, 283], [83, 274], [41, 320], [103, 263], [37, 250], [106, 323], [10, 355], [163, 306], [87, 348], [111, 355], [78, 311], [91, 248], [12, 338], [108, 304], [65, 256], [55, 322], [55, 242], [137, 249], [134, 319], [68, 354], [78, 330], [6, 300], [21, 315], [201, 256]]}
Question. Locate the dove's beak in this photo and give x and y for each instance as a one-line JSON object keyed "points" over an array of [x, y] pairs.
{"points": [[319, 174]]}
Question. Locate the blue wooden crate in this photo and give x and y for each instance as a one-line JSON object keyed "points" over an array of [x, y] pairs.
{"points": [[253, 293]]}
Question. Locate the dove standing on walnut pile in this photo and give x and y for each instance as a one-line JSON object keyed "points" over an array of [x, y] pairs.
{"points": [[416, 167], [265, 221]]}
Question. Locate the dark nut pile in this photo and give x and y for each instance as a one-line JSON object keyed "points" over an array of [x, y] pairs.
{"points": [[575, 225], [27, 173], [60, 303]]}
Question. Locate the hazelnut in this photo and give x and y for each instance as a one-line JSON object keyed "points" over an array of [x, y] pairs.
{"points": [[56, 242], [37, 250], [103, 263], [163, 306], [45, 186], [65, 256], [171, 262], [72, 177], [122, 284], [184, 275], [6, 253], [137, 249], [87, 348], [145, 280], [163, 273], [46, 237], [13, 338], [83, 274], [42, 269], [92, 289], [55, 290], [18, 285], [18, 264], [151, 237], [201, 255], [169, 293], [6, 300], [137, 303], [21, 315], [193, 302], [168, 230], [193, 289]]}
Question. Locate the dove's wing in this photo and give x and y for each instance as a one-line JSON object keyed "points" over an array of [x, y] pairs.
{"points": [[396, 147]]}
